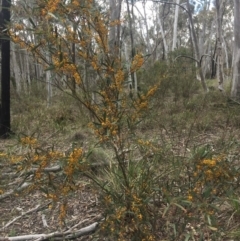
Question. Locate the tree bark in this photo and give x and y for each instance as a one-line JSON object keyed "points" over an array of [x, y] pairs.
{"points": [[5, 77], [220, 76], [163, 36], [133, 51], [114, 33], [16, 68], [175, 25], [147, 29], [196, 48], [235, 92]]}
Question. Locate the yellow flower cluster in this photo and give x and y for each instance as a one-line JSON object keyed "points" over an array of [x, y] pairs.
{"points": [[17, 40], [3, 154], [52, 196], [133, 216], [55, 154], [73, 162], [152, 91], [62, 212], [16, 158], [102, 33], [190, 197], [115, 23], [209, 162], [94, 63], [141, 104], [75, 155], [144, 143], [77, 78], [213, 169], [209, 173], [51, 6], [39, 158], [76, 3], [137, 62], [18, 27], [28, 141], [119, 79]]}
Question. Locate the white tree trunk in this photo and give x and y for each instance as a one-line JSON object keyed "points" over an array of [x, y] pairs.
{"points": [[16, 69], [175, 32], [114, 33], [49, 81], [146, 25], [208, 60], [226, 53], [196, 48], [219, 5], [236, 62], [163, 35], [128, 64], [27, 65]]}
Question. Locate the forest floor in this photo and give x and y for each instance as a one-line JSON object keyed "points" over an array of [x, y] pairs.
{"points": [[24, 214], [216, 123]]}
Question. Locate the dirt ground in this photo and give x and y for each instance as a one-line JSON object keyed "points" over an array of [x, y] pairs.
{"points": [[82, 211], [24, 214]]}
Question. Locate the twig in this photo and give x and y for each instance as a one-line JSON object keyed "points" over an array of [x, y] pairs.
{"points": [[38, 207], [98, 217], [8, 194]]}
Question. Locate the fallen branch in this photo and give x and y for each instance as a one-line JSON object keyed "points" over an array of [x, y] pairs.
{"points": [[95, 218], [54, 236], [19, 189], [37, 208]]}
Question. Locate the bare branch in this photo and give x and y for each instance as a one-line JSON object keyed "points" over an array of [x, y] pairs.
{"points": [[38, 207], [186, 56], [56, 235], [7, 194]]}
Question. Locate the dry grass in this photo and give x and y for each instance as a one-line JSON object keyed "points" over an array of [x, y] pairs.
{"points": [[177, 129]]}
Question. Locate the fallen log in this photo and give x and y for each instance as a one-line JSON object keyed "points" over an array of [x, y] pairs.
{"points": [[56, 236]]}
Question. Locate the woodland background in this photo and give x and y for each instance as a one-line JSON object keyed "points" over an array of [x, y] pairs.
{"points": [[120, 120]]}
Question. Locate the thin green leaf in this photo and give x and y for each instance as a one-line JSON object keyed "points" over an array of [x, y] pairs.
{"points": [[181, 207], [31, 21], [51, 67], [35, 47], [52, 15], [187, 237]]}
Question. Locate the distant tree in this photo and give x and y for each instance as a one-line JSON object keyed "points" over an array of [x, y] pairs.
{"points": [[219, 10], [175, 25], [114, 33], [196, 46], [5, 71], [236, 50]]}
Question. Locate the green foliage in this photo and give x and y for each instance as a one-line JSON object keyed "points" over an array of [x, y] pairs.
{"points": [[158, 183], [177, 78], [177, 180]]}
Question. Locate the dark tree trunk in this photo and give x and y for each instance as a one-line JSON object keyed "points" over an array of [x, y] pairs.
{"points": [[5, 72]]}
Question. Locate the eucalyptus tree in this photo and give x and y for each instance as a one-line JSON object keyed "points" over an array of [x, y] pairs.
{"points": [[24, 66], [131, 23], [219, 11], [196, 46], [115, 7], [235, 92], [175, 26], [161, 25]]}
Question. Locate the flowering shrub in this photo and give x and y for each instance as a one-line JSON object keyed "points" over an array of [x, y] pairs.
{"points": [[145, 194]]}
